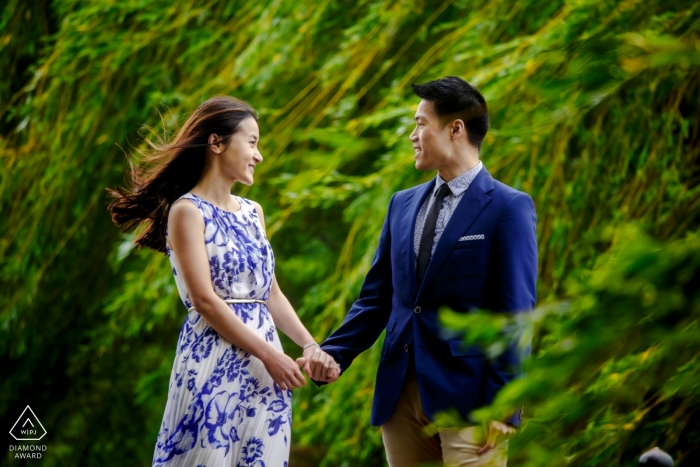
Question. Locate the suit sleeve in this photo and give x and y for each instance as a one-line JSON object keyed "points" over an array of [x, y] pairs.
{"points": [[514, 279], [368, 316]]}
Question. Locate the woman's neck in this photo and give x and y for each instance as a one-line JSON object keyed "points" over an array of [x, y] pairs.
{"points": [[217, 191]]}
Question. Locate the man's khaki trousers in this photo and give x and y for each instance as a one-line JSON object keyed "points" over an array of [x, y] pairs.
{"points": [[407, 445]]}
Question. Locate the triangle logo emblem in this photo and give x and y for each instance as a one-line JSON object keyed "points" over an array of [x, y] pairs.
{"points": [[28, 427]]}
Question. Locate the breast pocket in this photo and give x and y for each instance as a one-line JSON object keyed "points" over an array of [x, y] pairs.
{"points": [[480, 243]]}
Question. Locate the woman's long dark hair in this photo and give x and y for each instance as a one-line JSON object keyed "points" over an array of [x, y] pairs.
{"points": [[169, 169]]}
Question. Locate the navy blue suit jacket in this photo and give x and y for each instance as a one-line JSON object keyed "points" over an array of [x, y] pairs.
{"points": [[497, 273]]}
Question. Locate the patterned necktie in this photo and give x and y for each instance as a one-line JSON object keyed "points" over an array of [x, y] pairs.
{"points": [[428, 236]]}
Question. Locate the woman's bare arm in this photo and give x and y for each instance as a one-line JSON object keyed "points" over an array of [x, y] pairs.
{"points": [[322, 366], [186, 239]]}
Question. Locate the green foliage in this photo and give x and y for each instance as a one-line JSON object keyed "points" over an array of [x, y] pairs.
{"points": [[616, 367], [594, 110]]}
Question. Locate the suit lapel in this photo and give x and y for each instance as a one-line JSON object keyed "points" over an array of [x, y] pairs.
{"points": [[408, 227], [470, 206]]}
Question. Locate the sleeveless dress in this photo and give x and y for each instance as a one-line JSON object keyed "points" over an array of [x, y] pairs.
{"points": [[223, 408]]}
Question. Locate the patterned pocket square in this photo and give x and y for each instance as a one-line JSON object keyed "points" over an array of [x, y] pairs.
{"points": [[472, 237]]}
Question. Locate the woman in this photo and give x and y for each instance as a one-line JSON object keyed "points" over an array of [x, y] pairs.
{"points": [[229, 399]]}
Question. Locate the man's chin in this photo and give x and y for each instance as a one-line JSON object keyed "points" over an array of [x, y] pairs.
{"points": [[420, 165]]}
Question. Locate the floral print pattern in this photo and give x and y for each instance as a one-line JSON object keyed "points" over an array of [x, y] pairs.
{"points": [[223, 408]]}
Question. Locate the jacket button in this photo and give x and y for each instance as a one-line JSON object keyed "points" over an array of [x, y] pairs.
{"points": [[405, 347], [417, 309]]}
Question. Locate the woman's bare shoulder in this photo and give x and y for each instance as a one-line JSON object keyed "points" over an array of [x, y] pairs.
{"points": [[184, 210]]}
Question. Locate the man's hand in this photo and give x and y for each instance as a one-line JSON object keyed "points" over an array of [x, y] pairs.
{"points": [[496, 433], [318, 365]]}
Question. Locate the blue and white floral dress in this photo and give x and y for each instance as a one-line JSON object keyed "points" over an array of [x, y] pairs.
{"points": [[223, 408]]}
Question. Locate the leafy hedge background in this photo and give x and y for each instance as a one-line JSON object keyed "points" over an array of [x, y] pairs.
{"points": [[595, 113]]}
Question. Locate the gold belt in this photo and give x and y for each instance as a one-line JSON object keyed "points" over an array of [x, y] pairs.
{"points": [[237, 300]]}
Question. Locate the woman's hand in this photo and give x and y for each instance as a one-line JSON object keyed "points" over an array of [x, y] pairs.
{"points": [[318, 365], [284, 371]]}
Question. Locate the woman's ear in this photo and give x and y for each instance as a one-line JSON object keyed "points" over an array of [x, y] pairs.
{"points": [[214, 143]]}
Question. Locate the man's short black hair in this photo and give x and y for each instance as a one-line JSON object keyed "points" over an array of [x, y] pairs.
{"points": [[454, 98]]}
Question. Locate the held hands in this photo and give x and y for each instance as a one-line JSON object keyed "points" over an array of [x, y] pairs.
{"points": [[496, 433], [284, 371], [318, 365]]}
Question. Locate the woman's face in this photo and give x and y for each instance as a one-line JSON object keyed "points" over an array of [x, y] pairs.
{"points": [[241, 156]]}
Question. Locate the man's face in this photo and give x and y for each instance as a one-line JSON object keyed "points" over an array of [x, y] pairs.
{"points": [[431, 140]]}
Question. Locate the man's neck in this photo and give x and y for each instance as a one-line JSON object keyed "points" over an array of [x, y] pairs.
{"points": [[459, 166]]}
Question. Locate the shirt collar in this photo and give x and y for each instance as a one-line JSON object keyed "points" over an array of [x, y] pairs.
{"points": [[459, 185]]}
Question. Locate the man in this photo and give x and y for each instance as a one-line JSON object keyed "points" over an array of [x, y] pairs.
{"points": [[462, 240]]}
